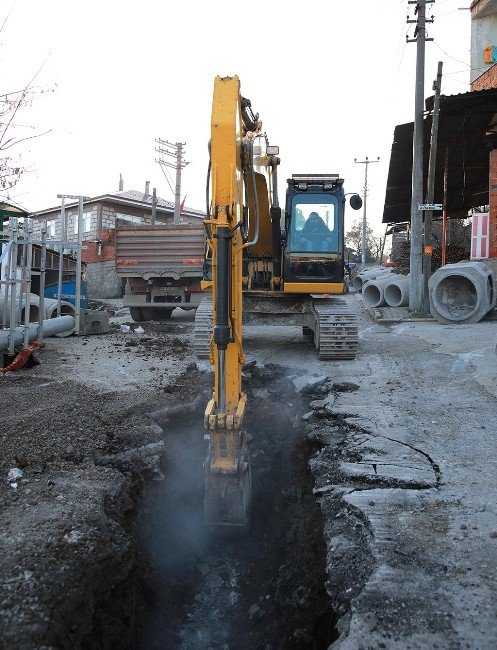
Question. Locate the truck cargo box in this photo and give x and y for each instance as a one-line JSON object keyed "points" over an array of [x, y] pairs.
{"points": [[162, 250]]}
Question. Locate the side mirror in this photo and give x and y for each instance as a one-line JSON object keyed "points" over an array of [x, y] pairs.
{"points": [[355, 202]]}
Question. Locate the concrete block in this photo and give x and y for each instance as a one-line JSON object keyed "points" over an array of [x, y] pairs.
{"points": [[94, 322]]}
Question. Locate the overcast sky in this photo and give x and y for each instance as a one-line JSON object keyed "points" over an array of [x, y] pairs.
{"points": [[330, 79]]}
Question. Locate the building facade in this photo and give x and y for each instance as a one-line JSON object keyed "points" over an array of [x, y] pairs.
{"points": [[483, 72], [100, 216]]}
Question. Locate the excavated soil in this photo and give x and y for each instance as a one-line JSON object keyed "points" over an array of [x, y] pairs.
{"points": [[264, 590]]}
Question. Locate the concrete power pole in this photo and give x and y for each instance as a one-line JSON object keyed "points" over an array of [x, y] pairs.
{"points": [[171, 155], [416, 277], [430, 188], [366, 163]]}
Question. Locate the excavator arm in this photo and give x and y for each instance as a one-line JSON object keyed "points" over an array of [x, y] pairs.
{"points": [[227, 466]]}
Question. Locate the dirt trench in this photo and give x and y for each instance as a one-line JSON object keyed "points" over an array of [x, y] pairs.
{"points": [[266, 590]]}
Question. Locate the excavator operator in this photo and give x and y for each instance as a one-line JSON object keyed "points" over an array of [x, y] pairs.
{"points": [[315, 233]]}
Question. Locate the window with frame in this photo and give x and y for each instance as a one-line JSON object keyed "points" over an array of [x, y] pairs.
{"points": [[85, 221], [51, 228], [130, 218]]}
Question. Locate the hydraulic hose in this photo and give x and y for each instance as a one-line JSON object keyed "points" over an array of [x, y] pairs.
{"points": [[254, 192]]}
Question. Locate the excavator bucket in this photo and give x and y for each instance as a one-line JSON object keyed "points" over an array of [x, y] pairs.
{"points": [[228, 500]]}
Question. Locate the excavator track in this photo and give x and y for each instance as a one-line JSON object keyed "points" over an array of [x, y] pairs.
{"points": [[203, 328], [336, 329]]}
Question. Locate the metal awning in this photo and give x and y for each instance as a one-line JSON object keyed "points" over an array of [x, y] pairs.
{"points": [[467, 131], [11, 209]]}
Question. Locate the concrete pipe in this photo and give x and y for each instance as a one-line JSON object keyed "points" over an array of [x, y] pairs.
{"points": [[51, 327], [397, 291], [66, 309], [34, 311], [462, 292], [360, 279], [373, 292]]}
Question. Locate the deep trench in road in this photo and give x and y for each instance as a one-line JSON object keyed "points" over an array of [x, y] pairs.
{"points": [[263, 590]]}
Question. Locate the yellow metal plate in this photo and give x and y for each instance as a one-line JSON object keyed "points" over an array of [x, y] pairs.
{"points": [[336, 288]]}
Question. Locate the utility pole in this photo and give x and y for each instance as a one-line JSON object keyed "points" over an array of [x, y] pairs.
{"points": [[430, 188], [171, 155], [416, 278], [79, 252], [366, 163]]}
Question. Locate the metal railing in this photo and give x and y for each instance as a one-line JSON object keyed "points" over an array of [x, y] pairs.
{"points": [[17, 275]]}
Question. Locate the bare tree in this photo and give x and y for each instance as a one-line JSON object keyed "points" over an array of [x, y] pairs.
{"points": [[12, 133]]}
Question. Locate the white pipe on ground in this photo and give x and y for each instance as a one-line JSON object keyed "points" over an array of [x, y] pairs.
{"points": [[51, 327], [50, 308]]}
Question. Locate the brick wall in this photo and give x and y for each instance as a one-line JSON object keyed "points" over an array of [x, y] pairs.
{"points": [[103, 249], [487, 80], [492, 192]]}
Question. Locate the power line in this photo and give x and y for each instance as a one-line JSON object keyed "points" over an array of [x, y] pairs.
{"points": [[450, 57]]}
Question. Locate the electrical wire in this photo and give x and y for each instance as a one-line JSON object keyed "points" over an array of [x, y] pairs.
{"points": [[451, 57]]}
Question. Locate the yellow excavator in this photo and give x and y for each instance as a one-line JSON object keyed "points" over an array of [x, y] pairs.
{"points": [[263, 265]]}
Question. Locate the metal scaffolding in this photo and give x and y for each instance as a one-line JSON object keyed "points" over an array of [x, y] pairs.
{"points": [[17, 247]]}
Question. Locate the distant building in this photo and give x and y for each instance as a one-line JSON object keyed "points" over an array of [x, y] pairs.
{"points": [[100, 215]]}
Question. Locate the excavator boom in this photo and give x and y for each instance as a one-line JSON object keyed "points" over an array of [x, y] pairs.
{"points": [[227, 467]]}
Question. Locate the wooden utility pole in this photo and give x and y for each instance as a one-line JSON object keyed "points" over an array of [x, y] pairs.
{"points": [[415, 285], [430, 188]]}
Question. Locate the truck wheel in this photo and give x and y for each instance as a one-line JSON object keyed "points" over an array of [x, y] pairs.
{"points": [[156, 313], [136, 314]]}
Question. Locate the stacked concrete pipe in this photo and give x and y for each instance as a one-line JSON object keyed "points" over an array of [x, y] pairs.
{"points": [[360, 279], [397, 291], [373, 292], [462, 292]]}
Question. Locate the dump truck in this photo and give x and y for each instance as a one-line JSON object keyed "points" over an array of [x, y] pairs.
{"points": [[162, 265]]}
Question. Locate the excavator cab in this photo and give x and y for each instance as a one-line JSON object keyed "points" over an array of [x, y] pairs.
{"points": [[313, 257]]}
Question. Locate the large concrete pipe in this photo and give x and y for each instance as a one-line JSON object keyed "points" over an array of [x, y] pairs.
{"points": [[397, 291], [66, 309], [50, 309], [374, 290], [34, 311], [51, 327], [462, 292], [360, 279]]}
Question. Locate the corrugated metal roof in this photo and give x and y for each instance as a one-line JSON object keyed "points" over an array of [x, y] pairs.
{"points": [[466, 122], [10, 209]]}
